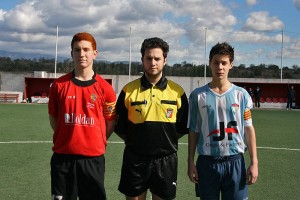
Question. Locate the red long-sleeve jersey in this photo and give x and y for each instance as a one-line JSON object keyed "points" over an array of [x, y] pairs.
{"points": [[81, 109]]}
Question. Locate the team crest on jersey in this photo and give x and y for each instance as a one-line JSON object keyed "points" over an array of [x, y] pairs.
{"points": [[110, 109], [169, 112], [235, 107], [93, 97]]}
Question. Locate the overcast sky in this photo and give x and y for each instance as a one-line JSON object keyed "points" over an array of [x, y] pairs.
{"points": [[253, 27]]}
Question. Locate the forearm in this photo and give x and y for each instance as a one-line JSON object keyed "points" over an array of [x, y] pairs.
{"points": [[192, 143], [53, 122], [252, 171], [251, 144], [110, 125], [192, 169]]}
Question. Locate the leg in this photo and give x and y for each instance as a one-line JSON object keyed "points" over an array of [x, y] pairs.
{"points": [[234, 185], [155, 197], [209, 172], [91, 178], [135, 175], [288, 104], [163, 180], [140, 197], [63, 178]]}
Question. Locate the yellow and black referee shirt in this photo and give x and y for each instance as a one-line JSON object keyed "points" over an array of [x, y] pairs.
{"points": [[151, 116]]}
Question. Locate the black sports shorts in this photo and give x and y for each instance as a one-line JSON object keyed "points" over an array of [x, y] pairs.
{"points": [[75, 176], [139, 173]]}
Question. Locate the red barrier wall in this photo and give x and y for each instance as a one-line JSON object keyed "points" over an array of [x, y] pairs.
{"points": [[40, 86], [273, 90]]}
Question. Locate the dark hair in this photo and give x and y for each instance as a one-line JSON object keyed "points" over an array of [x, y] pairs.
{"points": [[84, 36], [155, 42], [223, 49]]}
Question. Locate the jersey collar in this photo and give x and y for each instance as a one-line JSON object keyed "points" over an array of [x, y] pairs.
{"points": [[161, 84]]}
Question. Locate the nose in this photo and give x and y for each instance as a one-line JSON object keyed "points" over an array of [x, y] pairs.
{"points": [[220, 66], [81, 53], [152, 61]]}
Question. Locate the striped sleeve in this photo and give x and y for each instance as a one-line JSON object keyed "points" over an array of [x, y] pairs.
{"points": [[248, 117], [109, 110]]}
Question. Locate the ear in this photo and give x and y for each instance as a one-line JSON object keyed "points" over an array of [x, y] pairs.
{"points": [[231, 65], [96, 53], [71, 53], [165, 62]]}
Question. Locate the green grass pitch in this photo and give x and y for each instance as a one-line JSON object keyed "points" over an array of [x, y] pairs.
{"points": [[25, 151]]}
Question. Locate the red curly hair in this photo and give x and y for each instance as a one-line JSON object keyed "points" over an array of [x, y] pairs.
{"points": [[84, 36]]}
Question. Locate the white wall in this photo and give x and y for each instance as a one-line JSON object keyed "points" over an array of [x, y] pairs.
{"points": [[15, 81]]}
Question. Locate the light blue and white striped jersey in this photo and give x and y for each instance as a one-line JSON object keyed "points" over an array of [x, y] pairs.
{"points": [[220, 120]]}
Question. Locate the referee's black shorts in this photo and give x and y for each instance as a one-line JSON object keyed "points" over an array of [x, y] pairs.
{"points": [[139, 173], [75, 176]]}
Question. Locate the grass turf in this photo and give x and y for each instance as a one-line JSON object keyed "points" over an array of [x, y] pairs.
{"points": [[25, 168]]}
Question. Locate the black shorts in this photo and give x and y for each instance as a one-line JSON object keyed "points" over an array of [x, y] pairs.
{"points": [[75, 176], [139, 173]]}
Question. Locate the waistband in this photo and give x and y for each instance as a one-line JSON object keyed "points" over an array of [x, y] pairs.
{"points": [[221, 158], [74, 156]]}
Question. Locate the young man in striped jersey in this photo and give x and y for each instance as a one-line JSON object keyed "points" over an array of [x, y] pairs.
{"points": [[221, 128]]}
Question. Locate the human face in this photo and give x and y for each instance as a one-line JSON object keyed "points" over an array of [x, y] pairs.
{"points": [[153, 62], [220, 66], [83, 54]]}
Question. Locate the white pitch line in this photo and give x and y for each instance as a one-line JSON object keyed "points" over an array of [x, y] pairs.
{"points": [[274, 148], [121, 142], [24, 142], [288, 149]]}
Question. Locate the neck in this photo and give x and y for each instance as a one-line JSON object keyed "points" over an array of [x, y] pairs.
{"points": [[153, 79], [84, 74], [220, 87]]}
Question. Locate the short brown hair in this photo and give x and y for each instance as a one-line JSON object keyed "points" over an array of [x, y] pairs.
{"points": [[84, 36], [223, 49], [155, 42]]}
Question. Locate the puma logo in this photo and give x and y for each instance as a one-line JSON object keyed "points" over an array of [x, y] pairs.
{"points": [[140, 111]]}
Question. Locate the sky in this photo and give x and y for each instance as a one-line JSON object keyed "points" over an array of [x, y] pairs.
{"points": [[261, 31]]}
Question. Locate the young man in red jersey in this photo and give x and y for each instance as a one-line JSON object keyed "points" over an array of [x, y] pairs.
{"points": [[82, 115]]}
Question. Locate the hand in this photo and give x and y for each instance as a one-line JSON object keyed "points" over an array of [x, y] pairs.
{"points": [[192, 172], [252, 174]]}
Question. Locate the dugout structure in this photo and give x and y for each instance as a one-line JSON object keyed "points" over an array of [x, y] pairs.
{"points": [[36, 90], [273, 95]]}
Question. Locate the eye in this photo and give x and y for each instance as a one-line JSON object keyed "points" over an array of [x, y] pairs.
{"points": [[86, 49], [224, 63]]}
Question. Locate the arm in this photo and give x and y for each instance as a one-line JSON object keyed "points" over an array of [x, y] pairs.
{"points": [[252, 171], [53, 121], [122, 117], [192, 170], [182, 117], [110, 125]]}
